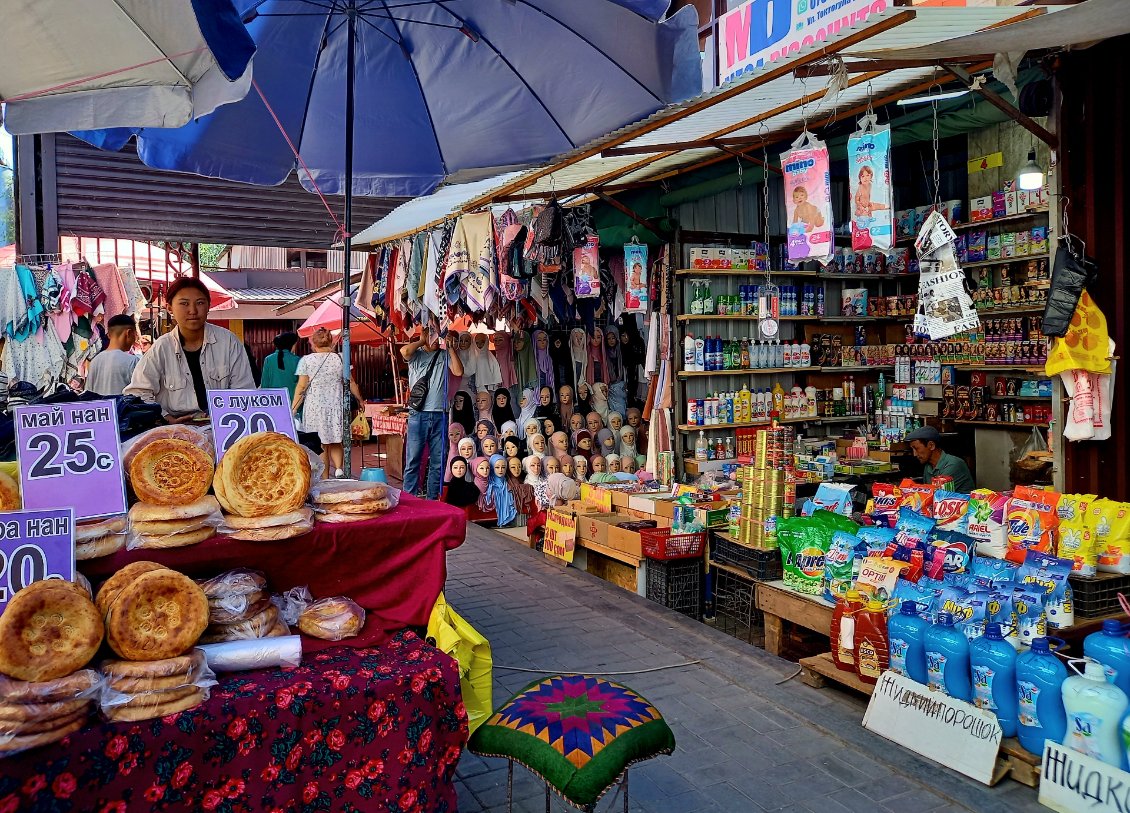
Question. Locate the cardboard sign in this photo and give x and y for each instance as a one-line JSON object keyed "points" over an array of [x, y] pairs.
{"points": [[951, 732], [35, 545], [598, 498], [560, 534], [238, 413], [70, 453], [990, 161], [1071, 782]]}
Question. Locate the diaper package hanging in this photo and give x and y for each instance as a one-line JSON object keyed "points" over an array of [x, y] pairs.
{"points": [[808, 200], [869, 173], [586, 268], [635, 277]]}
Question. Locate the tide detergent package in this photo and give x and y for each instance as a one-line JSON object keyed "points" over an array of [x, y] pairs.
{"points": [[1031, 522], [1076, 539]]}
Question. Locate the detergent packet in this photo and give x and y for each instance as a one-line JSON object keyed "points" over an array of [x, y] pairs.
{"points": [[878, 577], [1109, 522], [968, 609], [835, 497], [912, 529], [1047, 574], [885, 498], [876, 538], [804, 543], [1031, 522], [841, 564], [953, 548], [1001, 611], [993, 574], [917, 496], [1030, 616], [950, 509], [1076, 539], [985, 522], [923, 597]]}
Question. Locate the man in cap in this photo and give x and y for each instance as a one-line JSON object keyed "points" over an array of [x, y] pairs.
{"points": [[926, 444]]}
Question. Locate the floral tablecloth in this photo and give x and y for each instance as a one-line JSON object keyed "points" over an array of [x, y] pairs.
{"points": [[348, 730]]}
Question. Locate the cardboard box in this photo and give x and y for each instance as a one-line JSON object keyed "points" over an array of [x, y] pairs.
{"points": [[660, 522], [592, 528], [620, 499], [981, 209], [932, 408], [712, 514], [1011, 203], [624, 540], [700, 257]]}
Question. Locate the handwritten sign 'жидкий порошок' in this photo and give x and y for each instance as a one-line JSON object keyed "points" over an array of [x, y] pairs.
{"points": [[1071, 782]]}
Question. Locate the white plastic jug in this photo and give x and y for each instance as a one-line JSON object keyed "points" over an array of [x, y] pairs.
{"points": [[1095, 710]]}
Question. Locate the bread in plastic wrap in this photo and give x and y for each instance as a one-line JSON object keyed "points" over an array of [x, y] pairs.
{"points": [[33, 714], [176, 685], [332, 619], [260, 653]]}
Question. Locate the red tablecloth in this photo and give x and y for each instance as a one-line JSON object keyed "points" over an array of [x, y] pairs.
{"points": [[349, 730], [394, 566]]}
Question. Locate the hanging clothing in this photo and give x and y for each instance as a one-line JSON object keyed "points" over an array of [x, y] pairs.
{"points": [[434, 269], [504, 355], [415, 269], [22, 310], [598, 362], [471, 259], [579, 352], [544, 362], [62, 315], [39, 360], [527, 368], [110, 281], [488, 374], [497, 496], [134, 297], [88, 296]]}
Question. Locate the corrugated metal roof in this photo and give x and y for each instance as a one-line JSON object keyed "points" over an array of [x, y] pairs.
{"points": [[266, 294], [763, 102]]}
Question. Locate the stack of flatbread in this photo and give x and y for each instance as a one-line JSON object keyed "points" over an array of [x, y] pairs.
{"points": [[99, 537], [48, 630], [171, 477], [40, 713], [240, 608], [10, 499], [143, 690], [349, 500], [151, 612], [261, 482]]}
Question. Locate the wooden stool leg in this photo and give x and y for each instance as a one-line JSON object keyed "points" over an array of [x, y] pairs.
{"points": [[510, 786]]}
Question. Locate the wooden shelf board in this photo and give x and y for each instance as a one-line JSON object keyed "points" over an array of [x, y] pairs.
{"points": [[1016, 427], [1005, 260], [980, 224], [750, 371], [739, 272]]}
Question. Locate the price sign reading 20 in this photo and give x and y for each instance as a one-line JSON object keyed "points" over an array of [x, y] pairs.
{"points": [[34, 545], [238, 413], [69, 455]]}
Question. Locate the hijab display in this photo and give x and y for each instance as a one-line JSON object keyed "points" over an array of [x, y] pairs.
{"points": [[496, 495], [600, 400], [501, 410], [562, 363], [463, 410], [584, 398], [483, 403], [565, 405], [504, 355], [544, 362], [581, 468], [455, 433], [522, 493], [579, 355], [513, 447], [525, 365], [460, 492], [488, 374], [528, 404], [480, 473], [536, 481], [598, 364], [468, 447]]}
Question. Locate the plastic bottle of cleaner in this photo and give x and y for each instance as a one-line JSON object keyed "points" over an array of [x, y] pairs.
{"points": [[688, 354], [872, 650], [700, 446], [842, 632], [779, 399], [700, 354], [947, 658], [1094, 710], [906, 631], [1110, 647], [1039, 688], [993, 663]]}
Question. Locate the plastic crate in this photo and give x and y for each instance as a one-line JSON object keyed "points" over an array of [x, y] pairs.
{"points": [[762, 565], [734, 609], [1098, 596], [660, 543], [676, 585]]}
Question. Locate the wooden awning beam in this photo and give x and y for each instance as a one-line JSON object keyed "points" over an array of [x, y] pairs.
{"points": [[862, 65]]}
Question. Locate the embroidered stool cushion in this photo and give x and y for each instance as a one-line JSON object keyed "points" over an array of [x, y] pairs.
{"points": [[579, 733]]}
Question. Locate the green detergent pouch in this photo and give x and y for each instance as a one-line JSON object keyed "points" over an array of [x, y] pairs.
{"points": [[804, 544], [841, 564]]}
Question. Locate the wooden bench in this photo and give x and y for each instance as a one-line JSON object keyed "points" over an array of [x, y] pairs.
{"points": [[781, 605]]}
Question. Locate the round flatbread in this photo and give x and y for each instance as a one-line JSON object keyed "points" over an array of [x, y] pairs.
{"points": [[99, 546], [220, 615], [48, 633], [10, 745], [158, 615], [9, 493], [113, 585], [42, 725], [256, 627], [333, 517], [166, 667], [362, 507], [25, 712], [272, 521], [261, 474], [171, 471], [331, 492], [154, 698], [44, 584], [48, 691], [273, 534], [122, 714], [177, 540], [278, 630], [171, 526], [176, 430], [129, 685], [86, 531], [143, 512], [238, 582]]}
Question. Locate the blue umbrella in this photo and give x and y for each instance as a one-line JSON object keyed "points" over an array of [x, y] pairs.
{"points": [[433, 88]]}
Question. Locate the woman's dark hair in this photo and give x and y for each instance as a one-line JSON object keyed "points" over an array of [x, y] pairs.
{"points": [[285, 341], [183, 283]]}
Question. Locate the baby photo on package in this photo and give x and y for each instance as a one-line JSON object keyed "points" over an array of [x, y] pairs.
{"points": [[808, 200]]}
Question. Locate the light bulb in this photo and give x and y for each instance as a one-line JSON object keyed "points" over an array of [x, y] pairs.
{"points": [[1031, 175]]}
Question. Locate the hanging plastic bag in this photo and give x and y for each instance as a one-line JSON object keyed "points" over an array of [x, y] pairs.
{"points": [[586, 268], [869, 170], [808, 200], [1086, 344], [635, 278], [457, 638]]}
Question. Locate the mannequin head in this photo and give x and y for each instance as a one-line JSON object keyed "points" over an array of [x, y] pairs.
{"points": [[542, 340], [560, 442], [565, 395], [567, 467], [628, 464], [482, 401], [613, 461], [584, 443], [459, 401], [634, 418], [502, 398], [552, 466], [628, 436], [615, 421], [508, 430], [482, 429], [581, 466], [464, 341], [545, 397], [514, 466], [576, 422], [598, 466], [593, 422], [521, 339], [483, 468], [547, 427], [499, 467], [490, 446], [533, 466], [583, 391], [466, 448], [458, 469], [611, 339], [532, 427], [481, 341], [537, 444], [510, 447]]}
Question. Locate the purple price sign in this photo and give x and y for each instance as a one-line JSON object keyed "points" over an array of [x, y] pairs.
{"points": [[69, 454], [35, 545], [238, 413]]}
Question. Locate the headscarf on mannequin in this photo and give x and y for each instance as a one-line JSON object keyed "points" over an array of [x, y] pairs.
{"points": [[562, 362], [576, 443], [600, 400], [628, 449], [583, 398], [460, 491], [598, 364], [525, 364], [483, 402], [579, 354], [504, 354], [523, 494], [480, 480], [488, 374], [501, 414], [565, 398], [455, 433], [528, 410], [543, 359], [497, 495], [463, 410], [612, 355]]}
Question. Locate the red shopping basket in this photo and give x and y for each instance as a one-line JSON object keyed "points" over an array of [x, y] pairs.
{"points": [[660, 543]]}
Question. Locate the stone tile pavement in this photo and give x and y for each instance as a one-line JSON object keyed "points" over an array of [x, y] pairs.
{"points": [[748, 737]]}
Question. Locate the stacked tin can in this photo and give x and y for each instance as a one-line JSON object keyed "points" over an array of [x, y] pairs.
{"points": [[768, 487]]}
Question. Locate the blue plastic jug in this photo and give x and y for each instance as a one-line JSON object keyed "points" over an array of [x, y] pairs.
{"points": [[1094, 710], [947, 659], [992, 662], [1110, 647], [1039, 685], [906, 632]]}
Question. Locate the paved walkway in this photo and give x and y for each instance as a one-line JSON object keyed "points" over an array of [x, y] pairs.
{"points": [[748, 737]]}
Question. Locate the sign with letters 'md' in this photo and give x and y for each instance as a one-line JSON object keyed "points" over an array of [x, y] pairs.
{"points": [[1071, 782], [35, 545], [238, 413], [69, 454], [951, 732]]}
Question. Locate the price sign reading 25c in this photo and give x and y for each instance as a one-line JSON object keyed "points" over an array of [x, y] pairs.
{"points": [[34, 545], [69, 455], [238, 413]]}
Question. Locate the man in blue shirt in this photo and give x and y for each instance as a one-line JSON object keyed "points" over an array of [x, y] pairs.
{"points": [[427, 427], [926, 444]]}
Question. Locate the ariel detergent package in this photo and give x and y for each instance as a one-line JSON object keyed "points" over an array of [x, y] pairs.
{"points": [[808, 200], [985, 522]]}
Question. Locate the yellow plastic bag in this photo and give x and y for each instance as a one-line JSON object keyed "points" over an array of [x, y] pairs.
{"points": [[457, 638], [1086, 345], [359, 429]]}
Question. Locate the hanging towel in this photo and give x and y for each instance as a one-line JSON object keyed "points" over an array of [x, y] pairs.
{"points": [[110, 281], [134, 297], [22, 308], [62, 315], [415, 269], [470, 258], [433, 276], [364, 295]]}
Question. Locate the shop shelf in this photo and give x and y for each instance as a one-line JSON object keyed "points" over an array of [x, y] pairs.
{"points": [[750, 371], [1098, 596], [676, 585], [739, 272], [1013, 425], [762, 565], [739, 317], [661, 543], [1005, 260], [833, 275], [690, 427], [999, 368], [734, 610], [1006, 310], [862, 368], [981, 224]]}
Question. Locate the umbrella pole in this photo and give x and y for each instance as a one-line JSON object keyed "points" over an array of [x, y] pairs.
{"points": [[346, 300]]}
